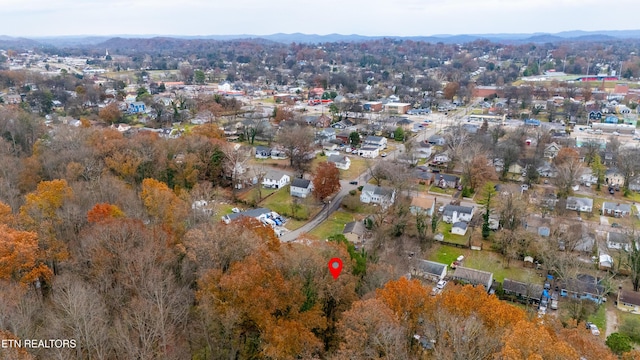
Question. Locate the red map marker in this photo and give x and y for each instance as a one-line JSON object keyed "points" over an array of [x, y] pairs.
{"points": [[335, 267]]}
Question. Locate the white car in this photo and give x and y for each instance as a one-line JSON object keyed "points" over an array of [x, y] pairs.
{"points": [[441, 284], [594, 329]]}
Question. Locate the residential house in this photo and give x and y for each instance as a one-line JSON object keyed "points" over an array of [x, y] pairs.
{"points": [[422, 205], [278, 154], [429, 270], [613, 176], [538, 225], [526, 292], [326, 135], [473, 277], [605, 262], [136, 107], [618, 241], [354, 232], [584, 287], [342, 162], [275, 179], [551, 150], [615, 209], [372, 194], [629, 301], [454, 213], [547, 170], [376, 141], [301, 188], [423, 150], [370, 152], [459, 228], [445, 181], [634, 184], [579, 204], [441, 159], [422, 175], [436, 140], [253, 213], [262, 152]]}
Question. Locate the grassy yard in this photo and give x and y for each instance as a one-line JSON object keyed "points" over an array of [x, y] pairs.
{"points": [[445, 229], [492, 262], [358, 166], [446, 254], [438, 190], [280, 202], [599, 318], [333, 225], [252, 194]]}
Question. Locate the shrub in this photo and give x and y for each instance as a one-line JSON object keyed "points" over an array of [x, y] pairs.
{"points": [[619, 343], [352, 192]]}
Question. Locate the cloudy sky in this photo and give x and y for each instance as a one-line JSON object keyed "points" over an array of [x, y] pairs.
{"points": [[263, 17]]}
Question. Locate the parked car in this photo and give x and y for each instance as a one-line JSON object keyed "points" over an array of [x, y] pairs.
{"points": [[554, 305], [594, 329], [353, 182], [441, 284], [616, 225]]}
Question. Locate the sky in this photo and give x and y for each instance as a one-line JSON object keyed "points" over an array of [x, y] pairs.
{"points": [[35, 18]]}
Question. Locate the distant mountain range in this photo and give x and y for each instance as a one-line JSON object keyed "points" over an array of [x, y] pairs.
{"points": [[577, 35]]}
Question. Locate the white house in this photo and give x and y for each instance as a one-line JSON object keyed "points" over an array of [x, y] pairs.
{"points": [[455, 213], [579, 204], [551, 150], [377, 141], [459, 228], [424, 150], [371, 152], [262, 152], [442, 158], [278, 154], [275, 179], [618, 241], [342, 162], [372, 194], [300, 188]]}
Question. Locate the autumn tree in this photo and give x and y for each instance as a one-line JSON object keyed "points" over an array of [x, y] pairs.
{"points": [[370, 330], [450, 90], [40, 214], [326, 181], [20, 257], [110, 113], [477, 171], [163, 205], [518, 344], [103, 212], [569, 171]]}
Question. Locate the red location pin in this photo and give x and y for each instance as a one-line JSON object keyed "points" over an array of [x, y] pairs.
{"points": [[335, 267]]}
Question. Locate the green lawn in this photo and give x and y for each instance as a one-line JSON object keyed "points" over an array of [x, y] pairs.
{"points": [[492, 262], [446, 254], [358, 166], [447, 191], [333, 225], [280, 202], [599, 318], [445, 229], [253, 193]]}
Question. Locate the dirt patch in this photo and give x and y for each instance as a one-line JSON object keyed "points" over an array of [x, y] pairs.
{"points": [[612, 319]]}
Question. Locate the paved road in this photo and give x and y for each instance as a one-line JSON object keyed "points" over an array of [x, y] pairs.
{"points": [[328, 209], [439, 121]]}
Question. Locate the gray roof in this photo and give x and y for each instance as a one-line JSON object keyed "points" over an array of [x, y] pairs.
{"points": [[446, 177], [461, 225], [336, 159], [274, 175], [375, 139], [431, 267], [253, 213], [449, 209], [369, 148], [616, 206], [579, 201], [473, 276], [617, 238], [377, 190], [583, 284], [519, 288], [354, 227], [301, 183]]}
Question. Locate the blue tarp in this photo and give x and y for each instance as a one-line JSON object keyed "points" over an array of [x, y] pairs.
{"points": [[545, 294]]}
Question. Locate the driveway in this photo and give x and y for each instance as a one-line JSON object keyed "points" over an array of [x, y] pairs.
{"points": [[612, 320]]}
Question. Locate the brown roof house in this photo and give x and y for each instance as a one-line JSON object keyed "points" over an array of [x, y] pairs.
{"points": [[629, 301]]}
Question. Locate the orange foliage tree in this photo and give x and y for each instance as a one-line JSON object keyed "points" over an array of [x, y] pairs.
{"points": [[163, 205], [19, 257], [326, 181], [103, 212]]}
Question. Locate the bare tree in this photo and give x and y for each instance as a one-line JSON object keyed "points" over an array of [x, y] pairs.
{"points": [[298, 142], [235, 163], [568, 174]]}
